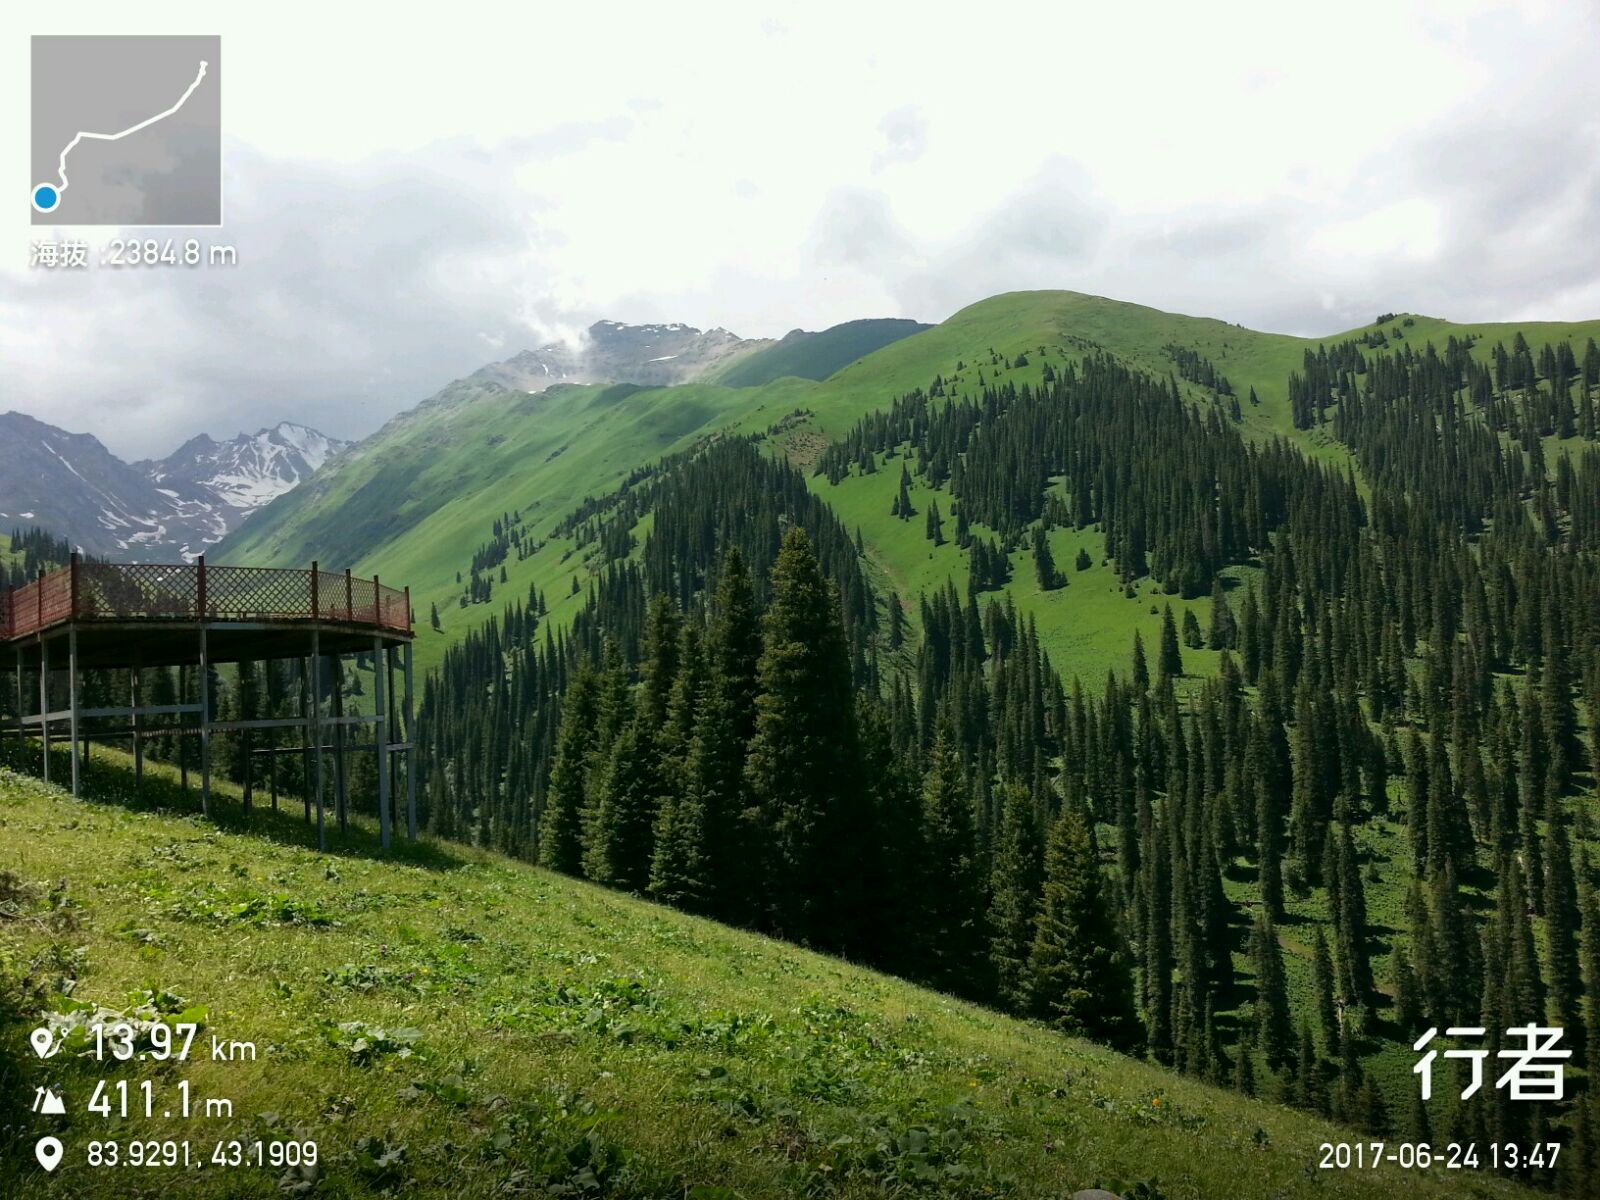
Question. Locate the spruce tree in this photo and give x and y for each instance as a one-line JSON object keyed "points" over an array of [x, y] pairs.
{"points": [[1155, 941], [951, 921], [1274, 1035], [1170, 664], [1322, 993], [1192, 636], [660, 665], [1589, 957], [1014, 886], [1562, 967], [1408, 1002], [1044, 562], [802, 769], [1224, 631], [1079, 975], [561, 826], [1268, 820], [734, 643], [618, 847], [902, 502], [699, 861], [1417, 800], [1140, 671], [1350, 924]]}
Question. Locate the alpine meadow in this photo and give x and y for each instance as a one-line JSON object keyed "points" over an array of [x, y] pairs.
{"points": [[1069, 745]]}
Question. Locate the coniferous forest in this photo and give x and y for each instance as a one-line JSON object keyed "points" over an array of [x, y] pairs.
{"points": [[739, 724]]}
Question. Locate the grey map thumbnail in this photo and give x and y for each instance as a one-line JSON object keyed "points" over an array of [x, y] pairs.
{"points": [[127, 130]]}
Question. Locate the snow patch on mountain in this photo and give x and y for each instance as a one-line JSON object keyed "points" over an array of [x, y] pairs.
{"points": [[157, 510], [246, 472], [615, 352]]}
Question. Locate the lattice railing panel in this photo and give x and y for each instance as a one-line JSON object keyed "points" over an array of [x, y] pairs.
{"points": [[54, 598], [149, 591], [132, 590], [394, 609], [257, 593]]}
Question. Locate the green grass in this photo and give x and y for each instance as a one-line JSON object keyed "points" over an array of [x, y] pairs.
{"points": [[554, 1027], [1086, 627], [805, 355]]}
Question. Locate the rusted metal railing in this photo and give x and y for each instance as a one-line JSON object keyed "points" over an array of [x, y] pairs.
{"points": [[96, 591]]}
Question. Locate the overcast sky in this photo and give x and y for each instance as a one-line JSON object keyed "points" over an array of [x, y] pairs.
{"points": [[412, 198]]}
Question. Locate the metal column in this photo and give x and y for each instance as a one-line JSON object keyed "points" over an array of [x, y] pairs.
{"points": [[341, 793], [380, 671], [411, 755], [44, 705], [135, 693], [22, 729], [316, 731], [205, 720], [305, 736], [72, 702]]}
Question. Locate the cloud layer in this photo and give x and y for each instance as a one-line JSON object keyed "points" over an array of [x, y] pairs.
{"points": [[446, 208]]}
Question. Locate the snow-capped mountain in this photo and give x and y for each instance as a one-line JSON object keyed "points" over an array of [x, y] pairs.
{"points": [[158, 510], [247, 471], [614, 352]]}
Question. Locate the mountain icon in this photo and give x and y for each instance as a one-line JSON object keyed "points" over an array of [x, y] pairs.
{"points": [[47, 1103]]}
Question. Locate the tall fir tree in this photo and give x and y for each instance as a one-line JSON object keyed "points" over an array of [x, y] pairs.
{"points": [[802, 770], [1274, 1034], [619, 843], [1079, 974], [561, 825], [951, 923], [1015, 882]]}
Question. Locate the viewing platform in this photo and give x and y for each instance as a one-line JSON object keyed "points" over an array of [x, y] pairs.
{"points": [[96, 616]]}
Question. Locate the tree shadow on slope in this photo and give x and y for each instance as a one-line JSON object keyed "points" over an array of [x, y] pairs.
{"points": [[107, 777]]}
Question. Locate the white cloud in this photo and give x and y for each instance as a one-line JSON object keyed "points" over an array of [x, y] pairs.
{"points": [[409, 199]]}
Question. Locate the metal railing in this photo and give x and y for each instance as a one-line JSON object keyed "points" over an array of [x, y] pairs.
{"points": [[96, 591]]}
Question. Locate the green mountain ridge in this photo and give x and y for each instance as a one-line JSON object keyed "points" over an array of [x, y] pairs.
{"points": [[413, 500], [806, 355]]}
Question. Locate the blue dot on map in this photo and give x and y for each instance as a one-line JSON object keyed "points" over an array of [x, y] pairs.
{"points": [[45, 198]]}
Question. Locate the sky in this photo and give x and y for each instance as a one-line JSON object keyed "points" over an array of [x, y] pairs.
{"points": [[411, 199]]}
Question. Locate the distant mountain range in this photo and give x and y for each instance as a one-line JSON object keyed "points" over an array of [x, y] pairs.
{"points": [[174, 508], [663, 355], [157, 510], [611, 352]]}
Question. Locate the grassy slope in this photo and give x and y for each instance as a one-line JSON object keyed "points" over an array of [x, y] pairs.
{"points": [[718, 1057], [416, 500], [815, 355]]}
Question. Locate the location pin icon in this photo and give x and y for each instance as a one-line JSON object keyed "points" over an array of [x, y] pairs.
{"points": [[43, 1043], [48, 1152]]}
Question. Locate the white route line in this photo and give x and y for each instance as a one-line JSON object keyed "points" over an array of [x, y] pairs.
{"points": [[61, 166]]}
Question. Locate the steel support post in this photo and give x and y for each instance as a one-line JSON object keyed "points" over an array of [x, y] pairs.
{"points": [[72, 705], [136, 697], [44, 705], [316, 732], [205, 725], [411, 754], [341, 802], [380, 671]]}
